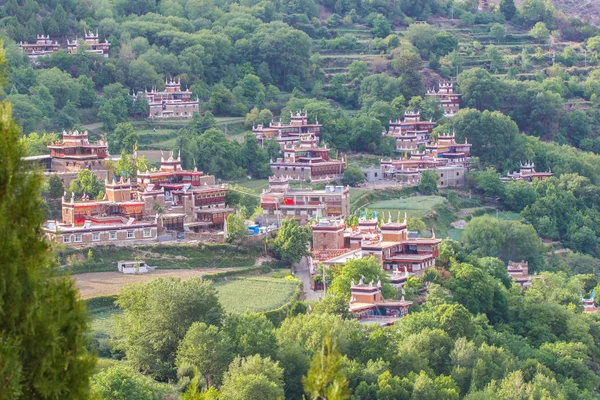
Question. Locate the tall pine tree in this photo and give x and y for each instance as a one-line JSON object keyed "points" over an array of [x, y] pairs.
{"points": [[43, 330], [507, 7]]}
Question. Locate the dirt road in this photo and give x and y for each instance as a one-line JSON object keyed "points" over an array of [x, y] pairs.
{"points": [[96, 284]]}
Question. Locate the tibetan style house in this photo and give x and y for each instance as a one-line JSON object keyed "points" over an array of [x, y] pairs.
{"points": [[43, 46], [411, 132], [170, 103], [449, 100], [72, 154], [287, 133], [91, 44], [281, 201], [306, 161], [369, 307], [527, 173]]}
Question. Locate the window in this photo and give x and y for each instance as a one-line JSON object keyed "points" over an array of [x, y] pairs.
{"points": [[130, 234], [66, 239], [95, 236], [442, 175], [78, 239], [147, 233], [112, 235]]}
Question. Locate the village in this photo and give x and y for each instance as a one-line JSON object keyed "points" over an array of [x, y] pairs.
{"points": [[168, 204], [341, 200]]}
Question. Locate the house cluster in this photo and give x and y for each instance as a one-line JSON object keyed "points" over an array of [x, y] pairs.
{"points": [[519, 272], [45, 46], [449, 100], [305, 161], [71, 154], [281, 201], [165, 200], [400, 254], [173, 102], [527, 173], [287, 133], [443, 155]]}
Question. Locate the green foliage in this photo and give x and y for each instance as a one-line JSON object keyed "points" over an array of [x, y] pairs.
{"points": [[122, 383], [508, 240], [43, 329], [428, 183], [205, 350], [354, 270], [253, 378], [157, 316], [353, 176], [291, 242], [325, 378], [87, 183], [236, 227]]}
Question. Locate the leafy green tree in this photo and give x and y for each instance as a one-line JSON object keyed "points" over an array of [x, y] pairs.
{"points": [[53, 188], [508, 8], [365, 133], [236, 227], [251, 333], [498, 31], [480, 89], [353, 176], [124, 138], [428, 183], [593, 43], [325, 378], [87, 183], [158, 314], [489, 183], [518, 195], [540, 32], [43, 326], [121, 383], [354, 270], [253, 378], [207, 350], [381, 26], [291, 242]]}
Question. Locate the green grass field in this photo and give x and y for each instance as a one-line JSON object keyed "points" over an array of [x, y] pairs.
{"points": [[256, 185], [160, 256], [415, 206], [255, 294]]}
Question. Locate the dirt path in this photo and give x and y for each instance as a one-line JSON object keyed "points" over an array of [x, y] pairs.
{"points": [[96, 284]]}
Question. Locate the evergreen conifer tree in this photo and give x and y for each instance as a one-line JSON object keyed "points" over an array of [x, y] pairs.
{"points": [[42, 321], [508, 8]]}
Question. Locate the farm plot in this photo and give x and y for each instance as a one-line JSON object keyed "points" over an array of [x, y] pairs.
{"points": [[255, 294], [415, 207]]}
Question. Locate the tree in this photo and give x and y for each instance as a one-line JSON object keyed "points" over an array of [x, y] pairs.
{"points": [[236, 227], [253, 378], [518, 195], [124, 138], [87, 183], [325, 379], [593, 44], [508, 8], [540, 32], [251, 333], [489, 183], [121, 383], [353, 176], [480, 89], [53, 188], [43, 326], [381, 26], [206, 349], [355, 270], [158, 314], [291, 242], [428, 183], [365, 133], [498, 31]]}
